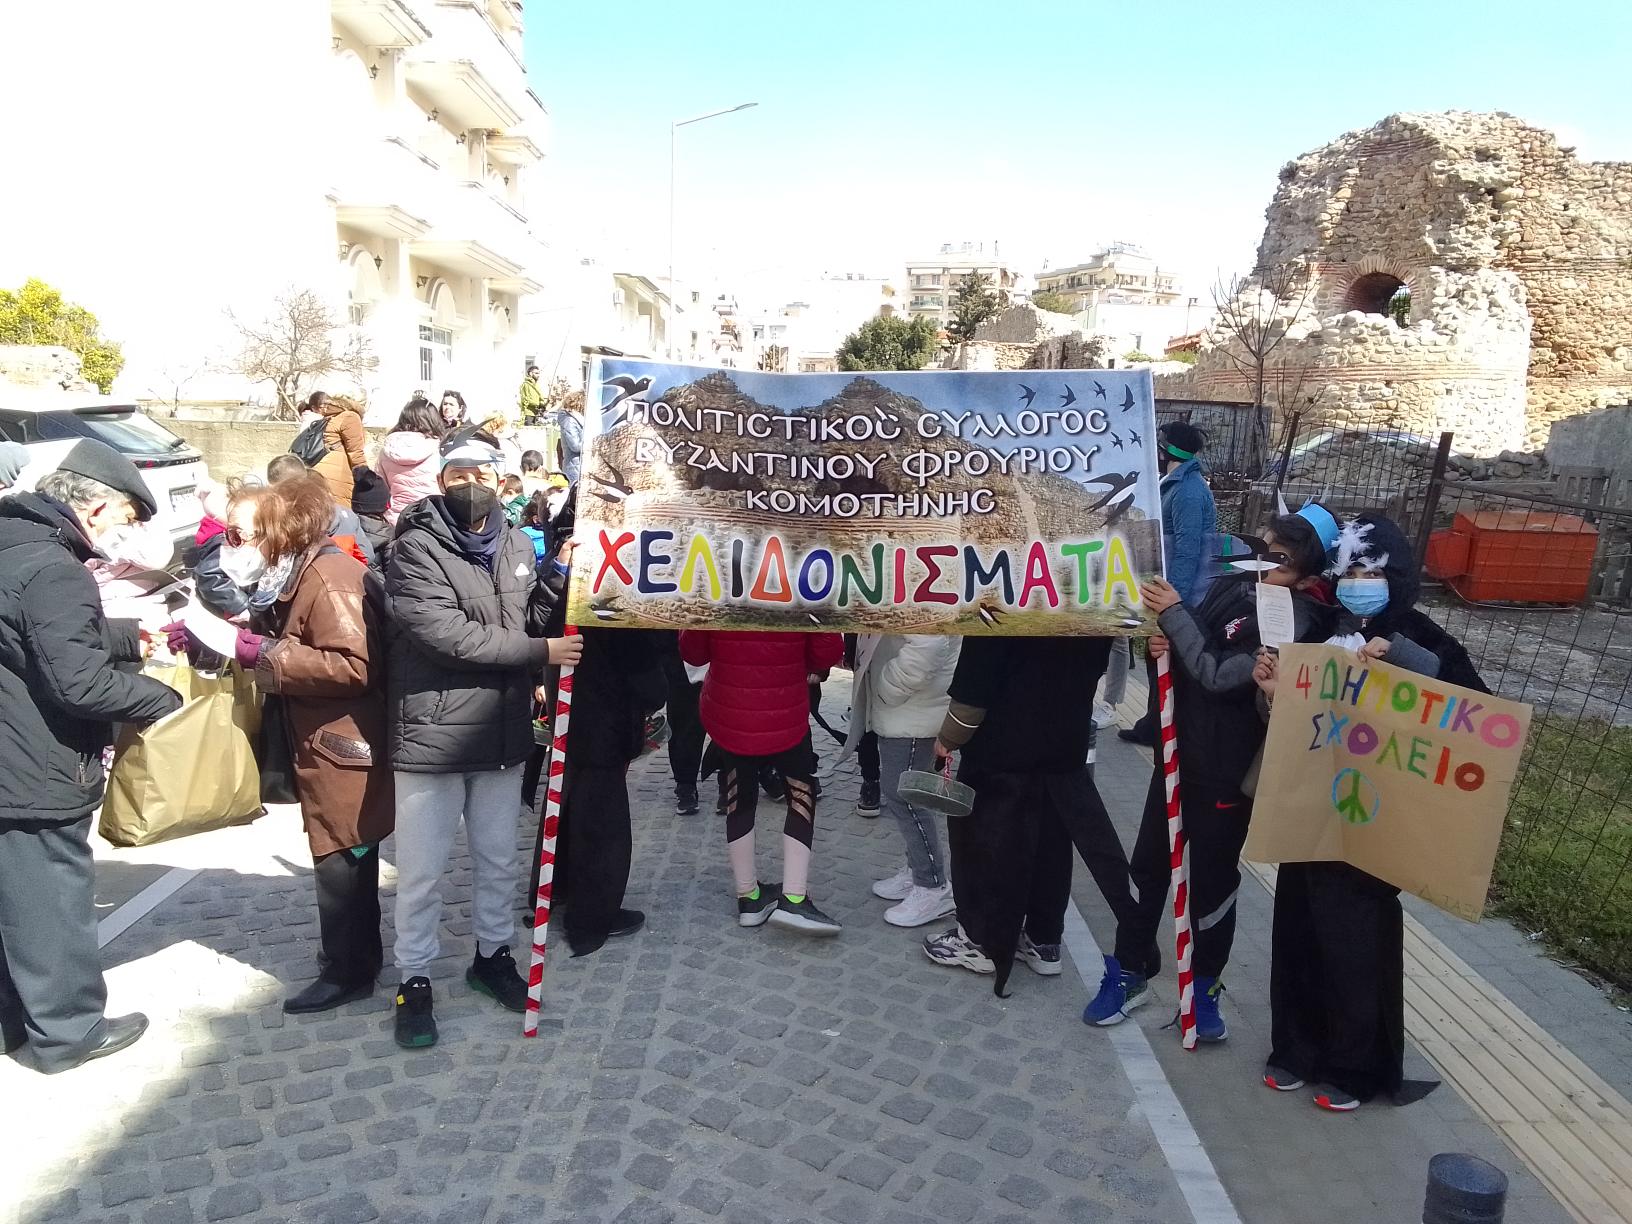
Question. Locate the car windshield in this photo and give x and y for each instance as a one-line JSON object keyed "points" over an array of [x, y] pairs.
{"points": [[130, 433]]}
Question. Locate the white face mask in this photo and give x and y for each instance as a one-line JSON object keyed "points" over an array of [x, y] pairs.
{"points": [[135, 545], [243, 564]]}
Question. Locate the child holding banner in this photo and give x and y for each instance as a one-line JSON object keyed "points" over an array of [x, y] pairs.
{"points": [[755, 706], [1337, 967], [1219, 734]]}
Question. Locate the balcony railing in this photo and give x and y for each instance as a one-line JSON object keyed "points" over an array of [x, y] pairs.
{"points": [[469, 71]]}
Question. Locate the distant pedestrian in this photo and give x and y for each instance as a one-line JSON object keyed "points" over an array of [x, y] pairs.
{"points": [[900, 696], [61, 689], [317, 644], [530, 399], [343, 435], [454, 412], [462, 673], [410, 457], [1189, 537], [684, 685], [756, 707]]}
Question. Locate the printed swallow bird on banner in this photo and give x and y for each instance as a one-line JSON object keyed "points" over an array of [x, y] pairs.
{"points": [[1116, 441], [1121, 486], [1099, 390], [628, 388], [1127, 398], [1069, 398], [614, 490], [1137, 440], [988, 614], [1027, 394]]}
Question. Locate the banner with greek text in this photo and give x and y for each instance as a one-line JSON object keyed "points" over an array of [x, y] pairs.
{"points": [[1396, 773], [1022, 502]]}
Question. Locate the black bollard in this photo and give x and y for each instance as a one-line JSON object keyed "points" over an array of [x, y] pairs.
{"points": [[1463, 1189]]}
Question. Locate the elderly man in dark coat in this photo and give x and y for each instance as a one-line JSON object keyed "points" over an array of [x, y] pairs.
{"points": [[60, 692]]}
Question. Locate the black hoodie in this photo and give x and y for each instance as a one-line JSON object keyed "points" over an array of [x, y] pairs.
{"points": [[462, 664], [1214, 648], [1401, 618], [60, 688]]}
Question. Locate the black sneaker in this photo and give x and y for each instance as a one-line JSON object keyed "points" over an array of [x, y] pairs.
{"points": [[719, 804], [685, 801], [497, 977], [753, 913], [416, 1027], [803, 917], [867, 805], [771, 783]]}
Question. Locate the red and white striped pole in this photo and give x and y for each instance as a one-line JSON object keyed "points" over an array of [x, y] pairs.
{"points": [[1178, 856], [546, 854]]}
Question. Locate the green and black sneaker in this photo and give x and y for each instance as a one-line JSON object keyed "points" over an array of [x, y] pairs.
{"points": [[416, 1026], [498, 978]]}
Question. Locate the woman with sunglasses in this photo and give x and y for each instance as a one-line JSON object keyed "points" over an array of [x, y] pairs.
{"points": [[314, 639], [1219, 734]]}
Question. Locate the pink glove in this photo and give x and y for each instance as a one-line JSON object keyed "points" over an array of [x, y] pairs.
{"points": [[248, 651]]}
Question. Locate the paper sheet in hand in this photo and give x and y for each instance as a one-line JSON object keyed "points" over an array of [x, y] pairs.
{"points": [[210, 629], [1275, 624]]}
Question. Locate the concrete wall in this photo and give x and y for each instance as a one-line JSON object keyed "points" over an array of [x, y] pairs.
{"points": [[232, 448], [1594, 439]]}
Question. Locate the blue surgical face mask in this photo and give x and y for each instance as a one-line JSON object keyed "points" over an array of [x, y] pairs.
{"points": [[1363, 596]]}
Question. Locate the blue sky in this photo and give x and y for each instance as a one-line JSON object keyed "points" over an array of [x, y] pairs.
{"points": [[887, 127]]}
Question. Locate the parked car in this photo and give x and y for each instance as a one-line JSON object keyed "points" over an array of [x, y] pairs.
{"points": [[1364, 451], [49, 423]]}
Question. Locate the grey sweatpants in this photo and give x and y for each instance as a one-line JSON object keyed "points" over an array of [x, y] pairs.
{"points": [[429, 808], [918, 829], [51, 986]]}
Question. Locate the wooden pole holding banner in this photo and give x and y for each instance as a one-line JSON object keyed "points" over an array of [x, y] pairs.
{"points": [[546, 855], [1178, 855]]}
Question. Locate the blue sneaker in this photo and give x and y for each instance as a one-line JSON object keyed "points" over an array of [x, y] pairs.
{"points": [[1210, 1024], [1119, 993]]}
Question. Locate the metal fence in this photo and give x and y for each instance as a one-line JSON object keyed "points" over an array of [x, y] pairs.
{"points": [[1491, 556]]}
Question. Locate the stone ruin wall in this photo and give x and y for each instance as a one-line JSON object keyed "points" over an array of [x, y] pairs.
{"points": [[1518, 259], [1025, 338]]}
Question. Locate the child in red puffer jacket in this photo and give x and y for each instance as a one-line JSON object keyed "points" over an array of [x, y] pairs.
{"points": [[756, 707]]}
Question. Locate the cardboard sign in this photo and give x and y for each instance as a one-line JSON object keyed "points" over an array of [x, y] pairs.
{"points": [[1014, 503], [1400, 775]]}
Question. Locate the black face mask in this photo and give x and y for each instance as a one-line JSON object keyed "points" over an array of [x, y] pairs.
{"points": [[470, 504]]}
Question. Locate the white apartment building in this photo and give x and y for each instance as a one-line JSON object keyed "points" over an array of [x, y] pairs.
{"points": [[932, 282], [1121, 273], [374, 152]]}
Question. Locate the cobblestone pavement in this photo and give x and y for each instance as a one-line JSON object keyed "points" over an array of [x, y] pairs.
{"points": [[694, 1072]]}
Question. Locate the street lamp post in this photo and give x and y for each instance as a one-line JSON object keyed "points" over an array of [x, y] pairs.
{"points": [[674, 129]]}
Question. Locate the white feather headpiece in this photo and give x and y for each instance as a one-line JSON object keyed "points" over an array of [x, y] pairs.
{"points": [[1354, 548]]}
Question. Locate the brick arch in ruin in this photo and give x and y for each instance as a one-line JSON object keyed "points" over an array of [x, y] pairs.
{"points": [[1366, 285]]}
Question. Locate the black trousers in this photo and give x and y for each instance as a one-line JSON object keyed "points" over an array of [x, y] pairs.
{"points": [[1011, 858], [1215, 822], [685, 723], [867, 757], [51, 988], [1337, 979], [348, 916], [594, 848]]}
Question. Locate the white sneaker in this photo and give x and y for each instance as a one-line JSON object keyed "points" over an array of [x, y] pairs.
{"points": [[921, 905], [954, 950], [896, 887], [1043, 959], [1104, 715]]}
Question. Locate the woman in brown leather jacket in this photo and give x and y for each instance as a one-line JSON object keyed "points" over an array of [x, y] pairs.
{"points": [[316, 643]]}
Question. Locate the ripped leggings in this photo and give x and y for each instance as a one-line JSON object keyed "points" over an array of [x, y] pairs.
{"points": [[740, 787]]}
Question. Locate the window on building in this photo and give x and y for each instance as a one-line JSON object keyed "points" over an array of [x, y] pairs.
{"points": [[435, 352]]}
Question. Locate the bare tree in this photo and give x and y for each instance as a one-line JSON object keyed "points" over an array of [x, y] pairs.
{"points": [[1254, 314], [173, 379], [298, 341]]}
